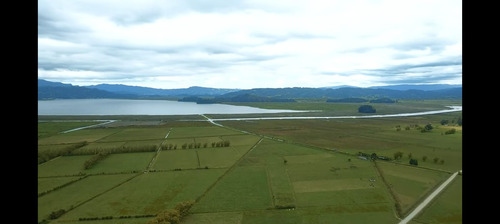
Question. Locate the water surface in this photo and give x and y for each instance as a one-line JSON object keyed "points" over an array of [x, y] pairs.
{"points": [[140, 107]]}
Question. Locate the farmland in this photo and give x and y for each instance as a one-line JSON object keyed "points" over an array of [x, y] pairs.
{"points": [[272, 171]]}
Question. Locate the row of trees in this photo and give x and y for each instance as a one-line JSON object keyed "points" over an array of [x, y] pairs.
{"points": [[48, 154], [399, 155], [413, 161], [426, 128], [94, 159], [111, 217], [116, 149], [429, 127], [224, 143], [459, 121]]}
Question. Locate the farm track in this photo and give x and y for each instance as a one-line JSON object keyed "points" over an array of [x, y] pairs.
{"points": [[427, 200], [405, 220], [269, 186]]}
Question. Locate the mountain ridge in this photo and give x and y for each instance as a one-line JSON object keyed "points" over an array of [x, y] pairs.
{"points": [[57, 90]]}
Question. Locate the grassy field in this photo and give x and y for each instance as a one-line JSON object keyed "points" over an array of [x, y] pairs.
{"points": [[48, 128], [377, 135], [133, 185], [273, 171]]}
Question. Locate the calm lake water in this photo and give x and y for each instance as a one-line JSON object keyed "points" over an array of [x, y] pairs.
{"points": [[140, 107]]}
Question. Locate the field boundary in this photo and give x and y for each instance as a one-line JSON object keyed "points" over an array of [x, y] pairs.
{"points": [[153, 160], [227, 171]]}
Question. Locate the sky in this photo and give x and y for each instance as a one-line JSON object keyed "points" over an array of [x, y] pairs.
{"points": [[170, 44]]}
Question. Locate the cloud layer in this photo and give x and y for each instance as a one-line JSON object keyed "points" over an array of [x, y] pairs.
{"points": [[250, 44]]}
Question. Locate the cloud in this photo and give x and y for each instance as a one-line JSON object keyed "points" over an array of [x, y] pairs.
{"points": [[250, 44]]}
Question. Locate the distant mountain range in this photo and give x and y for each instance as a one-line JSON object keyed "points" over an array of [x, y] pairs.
{"points": [[146, 91], [57, 90]]}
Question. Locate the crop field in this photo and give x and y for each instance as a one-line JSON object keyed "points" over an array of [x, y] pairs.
{"points": [[135, 184], [265, 171]]}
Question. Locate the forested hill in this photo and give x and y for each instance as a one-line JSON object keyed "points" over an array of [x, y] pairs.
{"points": [[351, 92], [146, 91], [56, 90]]}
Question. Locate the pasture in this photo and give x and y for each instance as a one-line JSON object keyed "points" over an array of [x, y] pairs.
{"points": [[273, 171], [135, 184]]}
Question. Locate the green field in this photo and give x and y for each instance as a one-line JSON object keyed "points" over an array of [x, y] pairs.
{"points": [[269, 171]]}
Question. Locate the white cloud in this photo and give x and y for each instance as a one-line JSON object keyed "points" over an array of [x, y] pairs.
{"points": [[177, 44]]}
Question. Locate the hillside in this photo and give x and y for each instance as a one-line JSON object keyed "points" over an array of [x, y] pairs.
{"points": [[351, 92], [147, 91], [56, 90]]}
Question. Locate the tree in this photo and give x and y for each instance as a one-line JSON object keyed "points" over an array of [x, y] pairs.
{"points": [[373, 156], [366, 109], [398, 155], [410, 155], [424, 158], [436, 159], [451, 131], [428, 127], [413, 162]]}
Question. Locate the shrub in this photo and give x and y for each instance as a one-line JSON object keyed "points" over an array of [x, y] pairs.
{"points": [[173, 216], [414, 162], [451, 131], [57, 214]]}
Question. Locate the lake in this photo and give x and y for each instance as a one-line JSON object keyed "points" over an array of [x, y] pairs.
{"points": [[140, 107]]}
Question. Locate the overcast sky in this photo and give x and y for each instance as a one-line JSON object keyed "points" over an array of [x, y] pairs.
{"points": [[250, 44]]}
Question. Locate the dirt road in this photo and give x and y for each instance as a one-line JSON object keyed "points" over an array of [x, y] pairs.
{"points": [[428, 199]]}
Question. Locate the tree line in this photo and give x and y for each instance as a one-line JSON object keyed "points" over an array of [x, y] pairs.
{"points": [[398, 156], [48, 154], [191, 145], [94, 159]]}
